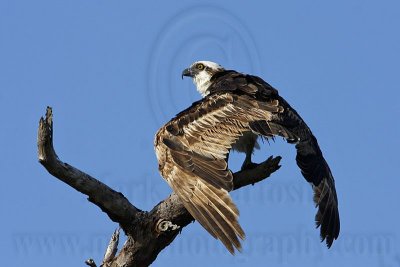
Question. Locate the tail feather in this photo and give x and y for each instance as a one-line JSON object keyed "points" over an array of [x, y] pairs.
{"points": [[221, 226], [217, 214]]}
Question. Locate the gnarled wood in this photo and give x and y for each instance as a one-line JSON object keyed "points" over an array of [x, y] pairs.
{"points": [[115, 204]]}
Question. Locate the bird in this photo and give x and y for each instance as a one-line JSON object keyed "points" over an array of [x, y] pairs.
{"points": [[235, 110]]}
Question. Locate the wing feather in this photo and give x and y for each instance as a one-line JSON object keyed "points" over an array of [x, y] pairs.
{"points": [[192, 150], [291, 126]]}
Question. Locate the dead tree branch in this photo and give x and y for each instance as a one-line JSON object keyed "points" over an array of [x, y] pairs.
{"points": [[117, 207], [148, 233], [112, 248]]}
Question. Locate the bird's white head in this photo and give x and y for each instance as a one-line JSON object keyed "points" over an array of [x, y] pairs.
{"points": [[201, 72]]}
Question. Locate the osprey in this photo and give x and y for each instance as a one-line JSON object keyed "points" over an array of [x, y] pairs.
{"points": [[192, 149]]}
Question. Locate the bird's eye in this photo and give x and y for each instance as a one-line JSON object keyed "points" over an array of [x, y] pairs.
{"points": [[200, 66]]}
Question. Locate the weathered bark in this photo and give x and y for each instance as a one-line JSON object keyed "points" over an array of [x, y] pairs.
{"points": [[148, 232], [118, 208]]}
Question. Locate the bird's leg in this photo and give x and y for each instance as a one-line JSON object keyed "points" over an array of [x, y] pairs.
{"points": [[247, 163]]}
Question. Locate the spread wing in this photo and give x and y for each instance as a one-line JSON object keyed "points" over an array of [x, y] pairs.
{"points": [[192, 149], [291, 126], [316, 170], [312, 164], [313, 167]]}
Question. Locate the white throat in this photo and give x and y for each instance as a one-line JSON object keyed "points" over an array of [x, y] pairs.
{"points": [[202, 82]]}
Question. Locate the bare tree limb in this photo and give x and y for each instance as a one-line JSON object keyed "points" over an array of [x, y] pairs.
{"points": [[148, 233], [117, 207], [112, 248], [259, 173]]}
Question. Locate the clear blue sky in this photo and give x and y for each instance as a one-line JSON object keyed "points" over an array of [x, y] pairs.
{"points": [[111, 71]]}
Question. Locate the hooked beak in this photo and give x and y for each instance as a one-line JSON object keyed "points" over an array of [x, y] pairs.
{"points": [[187, 72]]}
